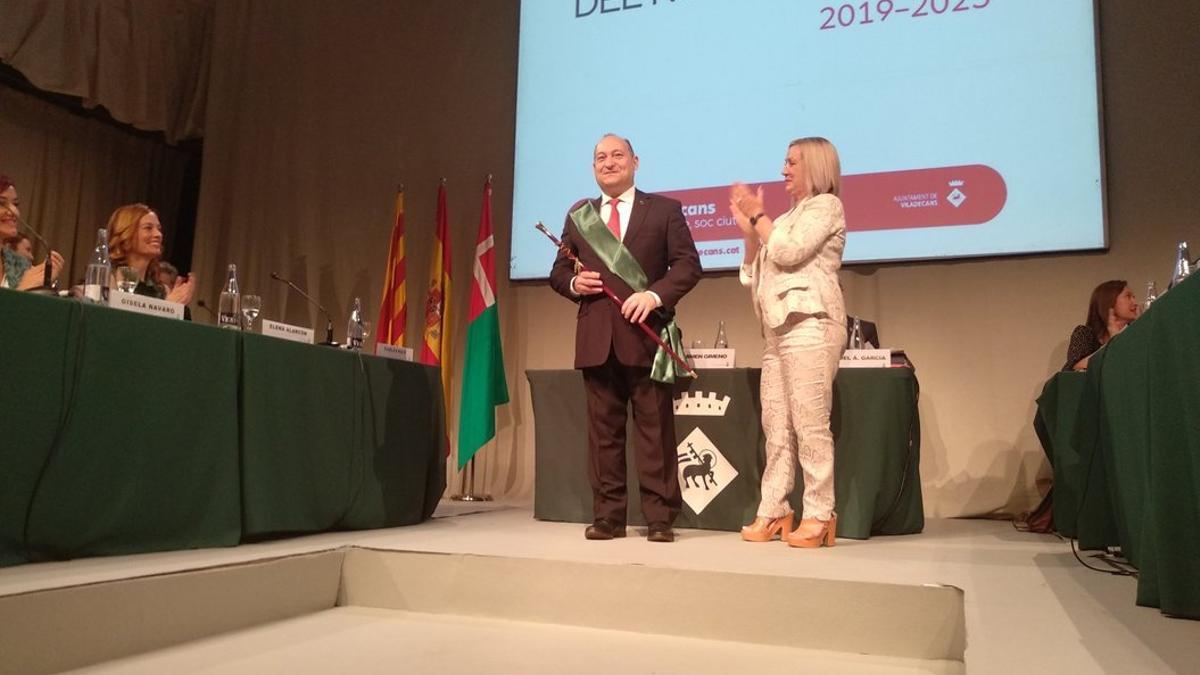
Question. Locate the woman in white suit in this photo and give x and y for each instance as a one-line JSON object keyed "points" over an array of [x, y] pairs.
{"points": [[791, 267]]}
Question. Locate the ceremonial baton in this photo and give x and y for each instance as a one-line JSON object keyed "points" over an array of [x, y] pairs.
{"points": [[612, 296]]}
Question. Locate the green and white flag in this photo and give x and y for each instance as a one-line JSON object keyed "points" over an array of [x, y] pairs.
{"points": [[483, 383]]}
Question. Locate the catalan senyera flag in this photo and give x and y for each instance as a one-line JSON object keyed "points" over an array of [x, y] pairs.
{"points": [[436, 343], [393, 308], [483, 383]]}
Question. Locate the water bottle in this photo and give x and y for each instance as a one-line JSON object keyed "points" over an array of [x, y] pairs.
{"points": [[99, 270], [856, 335], [229, 308], [1151, 295], [721, 342], [354, 327], [1183, 264]]}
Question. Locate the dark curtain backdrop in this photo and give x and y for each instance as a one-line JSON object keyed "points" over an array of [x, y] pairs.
{"points": [[317, 111], [71, 171], [145, 61]]}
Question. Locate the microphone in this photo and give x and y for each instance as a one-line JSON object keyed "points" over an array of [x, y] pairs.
{"points": [[328, 320], [47, 286], [206, 308]]}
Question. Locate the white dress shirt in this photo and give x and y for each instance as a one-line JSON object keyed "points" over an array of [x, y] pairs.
{"points": [[624, 208]]}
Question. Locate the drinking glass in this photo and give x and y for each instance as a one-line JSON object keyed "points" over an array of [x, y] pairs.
{"points": [[251, 306], [127, 279]]}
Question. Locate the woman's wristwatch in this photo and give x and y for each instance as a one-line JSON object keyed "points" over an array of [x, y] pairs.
{"points": [[754, 220]]}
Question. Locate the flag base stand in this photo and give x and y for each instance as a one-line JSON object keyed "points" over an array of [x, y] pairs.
{"points": [[468, 494], [471, 498]]}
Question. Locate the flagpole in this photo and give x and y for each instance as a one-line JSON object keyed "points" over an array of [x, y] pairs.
{"points": [[480, 376], [468, 494]]}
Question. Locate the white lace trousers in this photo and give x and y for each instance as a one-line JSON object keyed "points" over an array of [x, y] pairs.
{"points": [[798, 367]]}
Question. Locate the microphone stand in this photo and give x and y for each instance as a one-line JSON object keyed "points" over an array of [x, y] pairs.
{"points": [[48, 284], [204, 305], [329, 341]]}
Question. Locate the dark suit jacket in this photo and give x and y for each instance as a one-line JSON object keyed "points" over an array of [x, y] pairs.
{"points": [[870, 332], [659, 239]]}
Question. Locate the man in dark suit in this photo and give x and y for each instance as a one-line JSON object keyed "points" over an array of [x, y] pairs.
{"points": [[614, 354]]}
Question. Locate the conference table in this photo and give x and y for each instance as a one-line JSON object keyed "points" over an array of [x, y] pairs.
{"points": [[1124, 441], [125, 433], [876, 428]]}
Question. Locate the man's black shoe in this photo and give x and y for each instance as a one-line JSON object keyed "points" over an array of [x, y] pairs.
{"points": [[602, 530], [660, 532]]}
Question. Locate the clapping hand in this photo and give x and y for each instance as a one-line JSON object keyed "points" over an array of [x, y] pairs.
{"points": [[183, 289], [745, 204]]}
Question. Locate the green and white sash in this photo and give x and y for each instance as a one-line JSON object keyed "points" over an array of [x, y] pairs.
{"points": [[621, 262]]}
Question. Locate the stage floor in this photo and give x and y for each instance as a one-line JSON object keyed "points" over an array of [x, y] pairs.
{"points": [[1029, 606]]}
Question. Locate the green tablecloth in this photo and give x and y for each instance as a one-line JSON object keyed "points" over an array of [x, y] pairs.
{"points": [[1129, 457], [119, 432], [1140, 414], [1054, 424], [875, 424], [338, 442], [124, 433]]}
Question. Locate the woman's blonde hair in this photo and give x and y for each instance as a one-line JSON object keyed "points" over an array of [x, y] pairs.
{"points": [[822, 163], [122, 231]]}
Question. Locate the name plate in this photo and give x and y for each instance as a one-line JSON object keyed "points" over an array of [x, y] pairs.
{"points": [[709, 358], [142, 304], [866, 358], [287, 331], [393, 352]]}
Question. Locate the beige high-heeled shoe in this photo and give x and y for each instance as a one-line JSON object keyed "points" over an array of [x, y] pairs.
{"points": [[765, 529], [824, 537]]}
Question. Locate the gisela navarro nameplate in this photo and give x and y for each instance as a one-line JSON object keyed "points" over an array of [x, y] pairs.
{"points": [[394, 352], [143, 304], [287, 331], [866, 358]]}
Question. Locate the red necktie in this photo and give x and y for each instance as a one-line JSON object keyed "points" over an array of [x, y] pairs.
{"points": [[614, 219]]}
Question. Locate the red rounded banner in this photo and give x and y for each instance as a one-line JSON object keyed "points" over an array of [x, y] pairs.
{"points": [[894, 200]]}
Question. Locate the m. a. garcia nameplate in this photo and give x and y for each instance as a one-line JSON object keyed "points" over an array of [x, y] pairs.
{"points": [[287, 331], [866, 358], [144, 304], [393, 352]]}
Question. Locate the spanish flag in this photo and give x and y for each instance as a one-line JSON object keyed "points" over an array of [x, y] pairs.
{"points": [[393, 309], [436, 345]]}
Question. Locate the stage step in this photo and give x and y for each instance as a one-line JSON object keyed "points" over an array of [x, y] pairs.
{"points": [[365, 610]]}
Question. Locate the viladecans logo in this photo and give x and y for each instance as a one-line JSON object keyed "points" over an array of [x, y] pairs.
{"points": [[701, 404], [703, 470]]}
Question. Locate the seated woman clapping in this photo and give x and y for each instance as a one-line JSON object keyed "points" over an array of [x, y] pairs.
{"points": [[135, 240], [16, 270], [1111, 309]]}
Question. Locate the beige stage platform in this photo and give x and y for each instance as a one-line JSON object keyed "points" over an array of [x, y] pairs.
{"points": [[490, 590]]}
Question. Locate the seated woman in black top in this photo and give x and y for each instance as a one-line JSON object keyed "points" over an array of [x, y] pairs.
{"points": [[135, 240], [1111, 309]]}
